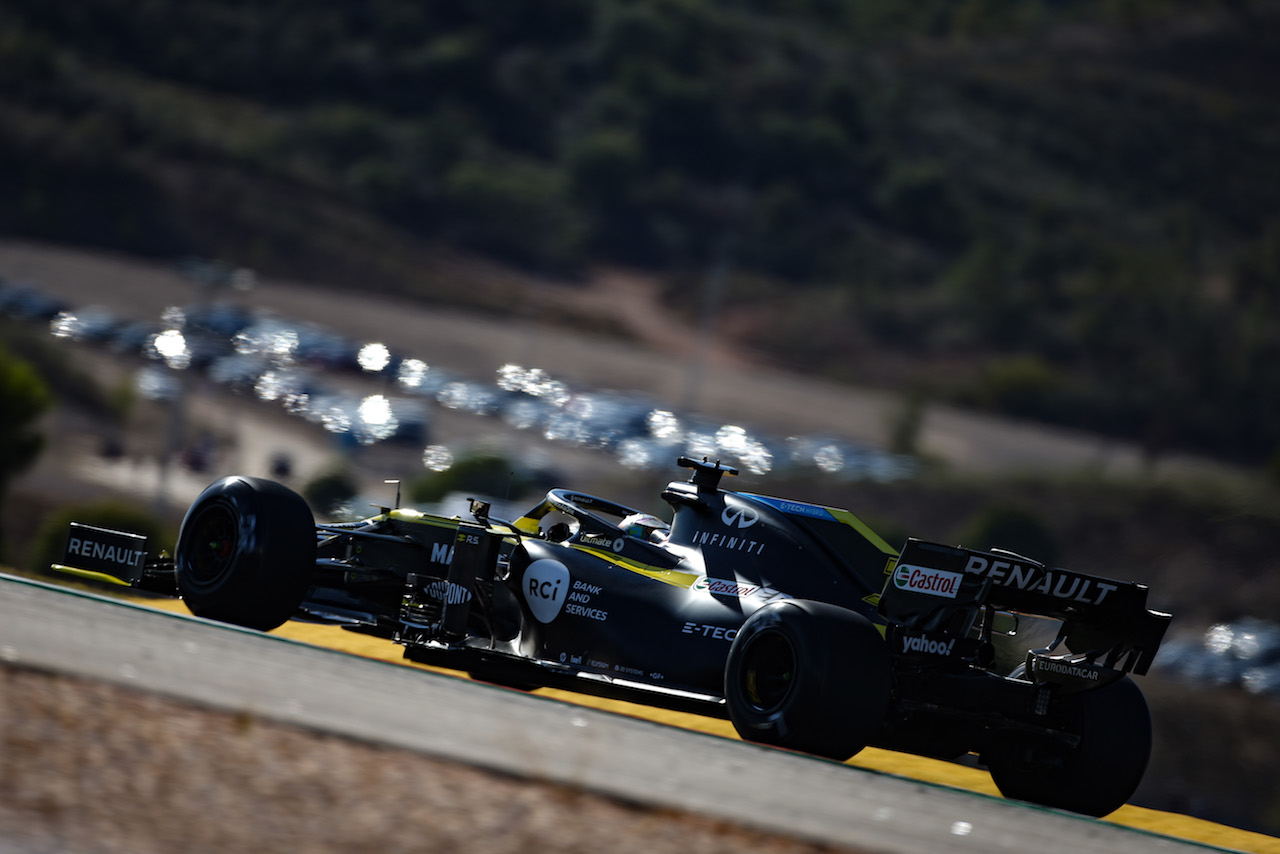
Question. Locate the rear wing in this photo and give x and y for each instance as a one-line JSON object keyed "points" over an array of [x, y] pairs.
{"points": [[116, 557], [944, 589]]}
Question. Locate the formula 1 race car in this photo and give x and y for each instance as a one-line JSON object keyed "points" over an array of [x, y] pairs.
{"points": [[794, 620]]}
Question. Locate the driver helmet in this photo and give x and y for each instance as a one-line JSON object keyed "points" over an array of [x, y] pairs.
{"points": [[644, 526]]}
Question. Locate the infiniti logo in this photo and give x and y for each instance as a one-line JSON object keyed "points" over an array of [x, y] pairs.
{"points": [[739, 517]]}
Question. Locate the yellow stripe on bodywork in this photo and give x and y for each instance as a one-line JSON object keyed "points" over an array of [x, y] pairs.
{"points": [[526, 525], [666, 576], [404, 514], [861, 527], [417, 517], [673, 577]]}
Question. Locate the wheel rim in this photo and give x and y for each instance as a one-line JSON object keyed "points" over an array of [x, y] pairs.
{"points": [[214, 545], [768, 672]]}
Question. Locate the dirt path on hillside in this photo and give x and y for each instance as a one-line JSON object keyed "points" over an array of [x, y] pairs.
{"points": [[635, 344], [635, 303]]}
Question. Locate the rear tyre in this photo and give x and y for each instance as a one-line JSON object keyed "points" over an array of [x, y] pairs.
{"points": [[245, 553], [1101, 773], [808, 676]]}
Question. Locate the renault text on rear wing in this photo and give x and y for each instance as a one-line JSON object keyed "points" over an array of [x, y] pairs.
{"points": [[940, 588]]}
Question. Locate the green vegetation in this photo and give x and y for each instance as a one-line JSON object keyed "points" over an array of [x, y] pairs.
{"points": [[481, 475], [1014, 528], [330, 491], [23, 399], [1069, 204], [60, 373]]}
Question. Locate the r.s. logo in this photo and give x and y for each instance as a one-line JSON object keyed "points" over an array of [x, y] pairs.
{"points": [[546, 585]]}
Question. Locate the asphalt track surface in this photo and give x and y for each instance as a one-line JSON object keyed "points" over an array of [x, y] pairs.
{"points": [[44, 627]]}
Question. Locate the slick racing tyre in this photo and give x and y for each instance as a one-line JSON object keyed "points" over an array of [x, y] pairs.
{"points": [[245, 553], [1100, 774], [808, 676]]}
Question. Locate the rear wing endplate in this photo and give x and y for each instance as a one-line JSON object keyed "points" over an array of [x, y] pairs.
{"points": [[938, 588]]}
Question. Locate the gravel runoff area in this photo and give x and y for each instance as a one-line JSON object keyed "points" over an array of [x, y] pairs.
{"points": [[91, 768]]}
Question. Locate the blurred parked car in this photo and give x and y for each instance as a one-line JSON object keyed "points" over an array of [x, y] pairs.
{"points": [[1244, 653]]}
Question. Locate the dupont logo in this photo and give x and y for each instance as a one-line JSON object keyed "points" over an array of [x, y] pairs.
{"points": [[447, 592], [922, 579]]}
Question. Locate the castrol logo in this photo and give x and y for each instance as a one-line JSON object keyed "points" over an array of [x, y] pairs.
{"points": [[922, 579]]}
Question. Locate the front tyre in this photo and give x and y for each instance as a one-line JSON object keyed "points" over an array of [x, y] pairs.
{"points": [[1101, 773], [245, 553], [808, 676]]}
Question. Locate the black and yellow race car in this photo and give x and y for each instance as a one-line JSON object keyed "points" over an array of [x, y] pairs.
{"points": [[794, 620]]}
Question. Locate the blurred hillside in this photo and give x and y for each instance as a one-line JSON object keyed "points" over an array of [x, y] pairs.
{"points": [[1062, 210]]}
